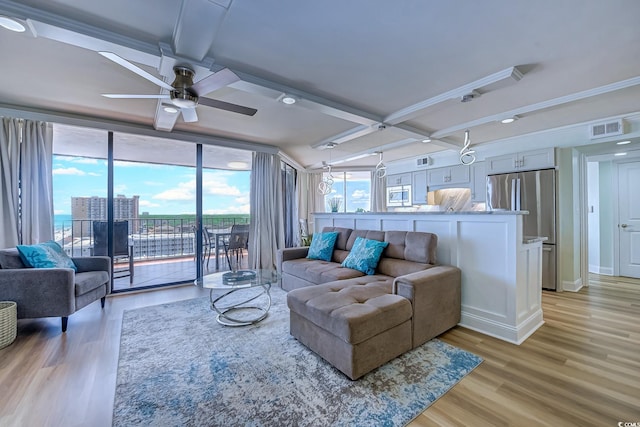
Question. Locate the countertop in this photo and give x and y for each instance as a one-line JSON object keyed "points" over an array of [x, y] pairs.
{"points": [[429, 213], [534, 239]]}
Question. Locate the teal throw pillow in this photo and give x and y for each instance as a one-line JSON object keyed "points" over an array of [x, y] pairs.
{"points": [[322, 245], [45, 255], [365, 255]]}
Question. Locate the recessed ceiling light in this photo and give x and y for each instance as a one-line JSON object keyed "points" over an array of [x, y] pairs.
{"points": [[620, 154], [11, 24], [238, 165], [288, 100], [509, 120], [426, 140], [623, 142], [171, 110]]}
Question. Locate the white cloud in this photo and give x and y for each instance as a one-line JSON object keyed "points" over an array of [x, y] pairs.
{"points": [[148, 204], [238, 209], [93, 174], [68, 171], [59, 211], [359, 194], [175, 194], [243, 200]]}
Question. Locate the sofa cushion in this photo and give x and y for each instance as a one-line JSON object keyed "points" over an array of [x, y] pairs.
{"points": [[45, 255], [412, 246], [317, 271], [10, 259], [90, 280], [365, 234], [343, 236], [399, 267], [352, 312], [365, 255], [322, 245]]}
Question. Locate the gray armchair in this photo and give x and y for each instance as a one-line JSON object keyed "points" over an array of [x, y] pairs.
{"points": [[53, 292]]}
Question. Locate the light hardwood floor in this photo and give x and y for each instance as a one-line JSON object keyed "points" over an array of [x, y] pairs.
{"points": [[581, 368]]}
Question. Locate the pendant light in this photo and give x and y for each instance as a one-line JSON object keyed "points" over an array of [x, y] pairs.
{"points": [[467, 155], [381, 168]]}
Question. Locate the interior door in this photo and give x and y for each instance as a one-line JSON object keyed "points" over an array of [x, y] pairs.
{"points": [[629, 219]]}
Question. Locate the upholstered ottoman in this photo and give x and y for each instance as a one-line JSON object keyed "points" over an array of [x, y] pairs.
{"points": [[356, 324]]}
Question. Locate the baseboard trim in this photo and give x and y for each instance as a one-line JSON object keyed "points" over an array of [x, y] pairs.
{"points": [[597, 269], [574, 286], [513, 334]]}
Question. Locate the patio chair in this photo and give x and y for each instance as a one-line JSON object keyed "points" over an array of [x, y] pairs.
{"points": [[121, 247], [238, 241]]}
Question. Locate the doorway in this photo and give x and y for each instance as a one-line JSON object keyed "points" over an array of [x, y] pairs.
{"points": [[613, 217], [628, 225]]}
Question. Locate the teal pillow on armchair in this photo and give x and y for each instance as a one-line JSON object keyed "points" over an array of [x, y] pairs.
{"points": [[322, 246], [365, 255], [45, 255]]}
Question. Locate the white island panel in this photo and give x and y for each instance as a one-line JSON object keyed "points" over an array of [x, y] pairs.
{"points": [[501, 275]]}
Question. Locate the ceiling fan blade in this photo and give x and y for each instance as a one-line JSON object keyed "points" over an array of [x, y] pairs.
{"points": [[189, 115], [131, 96], [227, 106], [139, 71], [215, 81]]}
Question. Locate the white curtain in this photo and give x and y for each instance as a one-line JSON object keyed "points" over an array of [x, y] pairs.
{"points": [[26, 182], [309, 199], [9, 175], [267, 225], [378, 193]]}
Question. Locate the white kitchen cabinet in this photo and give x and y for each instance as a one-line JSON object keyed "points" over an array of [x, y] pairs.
{"points": [[523, 161], [399, 179], [419, 184], [447, 176], [479, 182]]}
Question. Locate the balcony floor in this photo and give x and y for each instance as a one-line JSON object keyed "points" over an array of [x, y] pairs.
{"points": [[168, 271]]}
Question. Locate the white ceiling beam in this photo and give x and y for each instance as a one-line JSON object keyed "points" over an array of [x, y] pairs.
{"points": [[415, 110], [257, 85], [600, 90], [75, 119], [347, 135]]}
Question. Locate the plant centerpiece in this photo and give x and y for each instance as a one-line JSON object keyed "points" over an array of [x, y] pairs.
{"points": [[335, 203]]}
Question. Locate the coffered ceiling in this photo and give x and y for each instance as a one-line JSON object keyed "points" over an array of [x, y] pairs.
{"points": [[367, 75]]}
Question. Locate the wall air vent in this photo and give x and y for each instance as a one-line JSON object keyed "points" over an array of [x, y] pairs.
{"points": [[425, 161], [603, 129]]}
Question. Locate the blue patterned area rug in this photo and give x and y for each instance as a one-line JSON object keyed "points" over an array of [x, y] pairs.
{"points": [[179, 367]]}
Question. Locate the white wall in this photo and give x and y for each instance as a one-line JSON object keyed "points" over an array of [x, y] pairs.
{"points": [[607, 210], [593, 203]]}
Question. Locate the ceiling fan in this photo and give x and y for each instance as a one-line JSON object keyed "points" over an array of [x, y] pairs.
{"points": [[183, 92]]}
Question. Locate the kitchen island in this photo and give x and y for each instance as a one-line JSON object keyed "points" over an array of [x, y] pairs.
{"points": [[501, 268]]}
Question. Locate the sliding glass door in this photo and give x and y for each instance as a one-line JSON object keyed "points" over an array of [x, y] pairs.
{"points": [[135, 198]]}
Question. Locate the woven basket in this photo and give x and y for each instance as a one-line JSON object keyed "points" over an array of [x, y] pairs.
{"points": [[8, 322]]}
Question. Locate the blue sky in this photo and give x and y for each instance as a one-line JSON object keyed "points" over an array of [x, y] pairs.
{"points": [[170, 190], [163, 189]]}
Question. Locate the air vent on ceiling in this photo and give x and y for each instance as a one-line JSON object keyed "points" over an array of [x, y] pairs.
{"points": [[600, 130], [425, 161]]}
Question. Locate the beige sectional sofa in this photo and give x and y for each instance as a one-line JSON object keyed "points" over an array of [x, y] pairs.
{"points": [[358, 322]]}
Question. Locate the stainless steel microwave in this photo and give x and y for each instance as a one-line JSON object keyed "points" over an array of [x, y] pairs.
{"points": [[399, 196]]}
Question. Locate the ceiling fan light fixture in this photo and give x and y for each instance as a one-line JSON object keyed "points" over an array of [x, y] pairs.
{"points": [[12, 24]]}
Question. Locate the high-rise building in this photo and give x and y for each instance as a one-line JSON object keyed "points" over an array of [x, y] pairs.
{"points": [[84, 210]]}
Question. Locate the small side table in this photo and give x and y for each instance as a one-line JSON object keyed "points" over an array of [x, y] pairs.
{"points": [[8, 322]]}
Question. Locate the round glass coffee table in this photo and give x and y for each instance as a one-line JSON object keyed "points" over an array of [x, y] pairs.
{"points": [[242, 297]]}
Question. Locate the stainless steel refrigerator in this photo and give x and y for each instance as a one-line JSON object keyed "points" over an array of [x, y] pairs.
{"points": [[533, 191]]}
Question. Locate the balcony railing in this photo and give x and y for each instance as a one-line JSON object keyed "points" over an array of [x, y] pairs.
{"points": [[149, 238]]}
